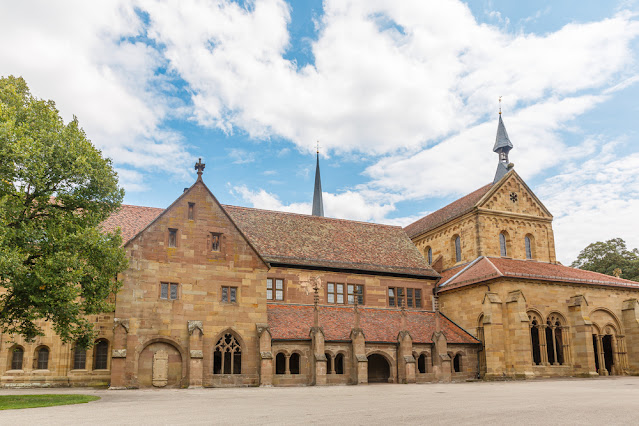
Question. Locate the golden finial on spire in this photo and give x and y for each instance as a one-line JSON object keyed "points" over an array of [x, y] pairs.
{"points": [[500, 105]]}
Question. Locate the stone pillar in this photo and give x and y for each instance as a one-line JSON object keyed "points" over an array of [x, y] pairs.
{"points": [[405, 360], [520, 358], [119, 353], [441, 359], [602, 357], [360, 362], [543, 344], [554, 344], [494, 342], [583, 355], [319, 356], [266, 355], [630, 318], [196, 354]]}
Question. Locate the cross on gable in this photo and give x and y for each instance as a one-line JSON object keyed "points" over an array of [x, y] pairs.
{"points": [[199, 166]]}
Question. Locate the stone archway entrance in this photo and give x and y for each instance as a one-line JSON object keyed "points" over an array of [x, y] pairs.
{"points": [[378, 369], [606, 342], [159, 366]]}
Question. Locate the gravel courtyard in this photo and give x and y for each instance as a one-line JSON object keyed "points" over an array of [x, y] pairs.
{"points": [[612, 400]]}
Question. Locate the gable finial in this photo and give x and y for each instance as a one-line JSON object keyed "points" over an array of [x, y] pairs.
{"points": [[199, 166], [500, 105]]}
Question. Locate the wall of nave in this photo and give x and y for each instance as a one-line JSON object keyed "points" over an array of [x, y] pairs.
{"points": [[535, 328]]}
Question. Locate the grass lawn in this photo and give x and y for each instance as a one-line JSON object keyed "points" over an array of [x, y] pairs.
{"points": [[9, 402]]}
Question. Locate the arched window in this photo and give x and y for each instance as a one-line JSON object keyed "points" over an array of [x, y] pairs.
{"points": [[294, 363], [42, 358], [101, 355], [555, 339], [502, 245], [227, 358], [79, 358], [429, 255], [421, 363], [17, 355], [280, 363], [457, 363], [534, 340], [329, 363], [458, 256], [529, 246], [339, 364]]}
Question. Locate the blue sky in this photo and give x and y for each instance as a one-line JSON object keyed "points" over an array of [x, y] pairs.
{"points": [[402, 97]]}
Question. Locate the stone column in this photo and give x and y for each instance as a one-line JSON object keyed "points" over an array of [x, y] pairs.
{"points": [[405, 360], [583, 356], [360, 362], [319, 356], [266, 355], [494, 339], [602, 358], [543, 344], [119, 353], [441, 360], [630, 318], [519, 335], [617, 368], [196, 354], [554, 344]]}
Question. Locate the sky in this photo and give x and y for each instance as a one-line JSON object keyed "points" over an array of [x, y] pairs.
{"points": [[401, 95]]}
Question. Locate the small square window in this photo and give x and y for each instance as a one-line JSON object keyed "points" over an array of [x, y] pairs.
{"points": [[169, 291], [174, 291], [355, 290], [229, 294], [191, 211], [172, 237], [215, 241]]}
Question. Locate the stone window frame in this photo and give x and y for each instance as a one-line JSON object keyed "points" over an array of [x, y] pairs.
{"points": [[172, 237], [505, 247], [529, 246], [404, 297], [13, 362], [235, 347], [104, 357], [332, 362], [228, 294], [39, 362], [273, 288], [429, 254], [169, 291], [211, 242], [79, 358], [190, 215], [426, 356], [362, 295], [457, 249], [287, 363]]}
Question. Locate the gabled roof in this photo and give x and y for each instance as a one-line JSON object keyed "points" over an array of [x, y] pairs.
{"points": [[488, 268], [294, 322], [451, 211], [303, 240], [131, 220]]}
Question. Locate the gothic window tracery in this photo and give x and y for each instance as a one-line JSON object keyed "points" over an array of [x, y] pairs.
{"points": [[227, 358]]}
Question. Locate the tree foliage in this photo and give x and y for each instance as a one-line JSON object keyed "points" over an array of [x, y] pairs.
{"points": [[55, 190], [606, 257]]}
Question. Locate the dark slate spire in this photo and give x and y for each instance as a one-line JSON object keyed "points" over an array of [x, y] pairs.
{"points": [[502, 147], [318, 205]]}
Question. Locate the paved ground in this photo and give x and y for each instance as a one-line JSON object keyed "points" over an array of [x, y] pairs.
{"points": [[570, 401]]}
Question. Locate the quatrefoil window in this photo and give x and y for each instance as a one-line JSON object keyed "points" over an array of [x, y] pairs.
{"points": [[513, 197]]}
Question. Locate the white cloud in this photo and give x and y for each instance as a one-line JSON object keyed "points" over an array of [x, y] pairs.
{"points": [[241, 156]]}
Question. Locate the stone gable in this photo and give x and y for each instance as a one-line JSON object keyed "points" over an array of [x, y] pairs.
{"points": [[512, 195]]}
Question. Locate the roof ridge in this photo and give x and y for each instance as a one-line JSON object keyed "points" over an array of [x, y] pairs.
{"points": [[142, 207], [313, 217]]}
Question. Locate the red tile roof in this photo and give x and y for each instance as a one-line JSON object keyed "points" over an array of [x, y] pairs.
{"points": [[485, 268], [294, 322], [131, 220], [447, 213], [296, 239]]}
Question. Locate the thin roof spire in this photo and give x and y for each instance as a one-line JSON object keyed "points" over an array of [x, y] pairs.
{"points": [[502, 147], [318, 204]]}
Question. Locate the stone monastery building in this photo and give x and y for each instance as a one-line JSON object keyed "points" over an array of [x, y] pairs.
{"points": [[219, 295]]}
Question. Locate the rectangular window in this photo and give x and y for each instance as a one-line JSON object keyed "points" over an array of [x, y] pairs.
{"points": [[339, 293], [164, 290], [215, 241], [174, 291], [79, 358], [412, 297], [335, 293], [172, 237], [191, 211], [418, 298], [229, 294], [277, 292], [409, 297], [391, 296], [330, 289], [354, 290], [400, 296]]}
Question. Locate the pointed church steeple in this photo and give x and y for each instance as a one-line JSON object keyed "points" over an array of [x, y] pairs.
{"points": [[502, 147], [318, 205]]}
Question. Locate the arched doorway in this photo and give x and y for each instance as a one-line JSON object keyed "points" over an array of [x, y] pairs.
{"points": [[606, 342], [378, 369], [160, 365]]}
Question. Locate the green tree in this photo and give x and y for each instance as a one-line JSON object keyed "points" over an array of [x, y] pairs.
{"points": [[55, 190], [606, 257]]}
